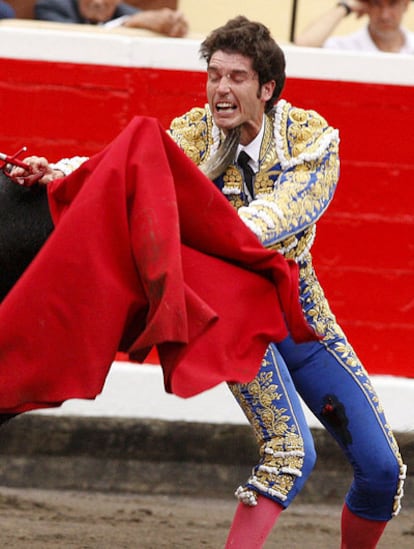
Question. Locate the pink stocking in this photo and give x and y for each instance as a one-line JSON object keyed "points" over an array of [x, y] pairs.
{"points": [[252, 525], [360, 533]]}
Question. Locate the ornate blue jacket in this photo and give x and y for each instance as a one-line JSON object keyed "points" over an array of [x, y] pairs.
{"points": [[297, 177], [298, 171]]}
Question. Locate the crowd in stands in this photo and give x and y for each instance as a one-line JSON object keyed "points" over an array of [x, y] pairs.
{"points": [[383, 32], [6, 11], [109, 13]]}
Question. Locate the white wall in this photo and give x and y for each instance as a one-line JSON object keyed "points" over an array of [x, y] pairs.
{"points": [[137, 391]]}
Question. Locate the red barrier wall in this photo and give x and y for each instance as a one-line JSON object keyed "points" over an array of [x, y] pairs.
{"points": [[364, 248], [364, 251]]}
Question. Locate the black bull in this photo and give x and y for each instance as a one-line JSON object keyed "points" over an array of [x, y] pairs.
{"points": [[25, 224]]}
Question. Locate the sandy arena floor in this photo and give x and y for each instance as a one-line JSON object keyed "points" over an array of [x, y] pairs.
{"points": [[41, 519]]}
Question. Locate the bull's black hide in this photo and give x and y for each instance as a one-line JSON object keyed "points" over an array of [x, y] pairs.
{"points": [[25, 224]]}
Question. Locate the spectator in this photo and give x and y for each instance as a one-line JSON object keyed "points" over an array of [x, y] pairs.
{"points": [[112, 13], [6, 11], [383, 33]]}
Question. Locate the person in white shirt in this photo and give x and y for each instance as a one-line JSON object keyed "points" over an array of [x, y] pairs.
{"points": [[383, 33]]}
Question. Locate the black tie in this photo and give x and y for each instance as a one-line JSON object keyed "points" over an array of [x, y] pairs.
{"points": [[248, 173]]}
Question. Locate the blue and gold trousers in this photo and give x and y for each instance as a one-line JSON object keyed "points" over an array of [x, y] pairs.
{"points": [[338, 391]]}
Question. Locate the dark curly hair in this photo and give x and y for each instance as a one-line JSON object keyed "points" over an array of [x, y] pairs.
{"points": [[253, 40]]}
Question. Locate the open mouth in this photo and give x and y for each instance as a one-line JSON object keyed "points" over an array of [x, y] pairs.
{"points": [[225, 106]]}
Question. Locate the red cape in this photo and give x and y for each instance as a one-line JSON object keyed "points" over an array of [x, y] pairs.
{"points": [[146, 252]]}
